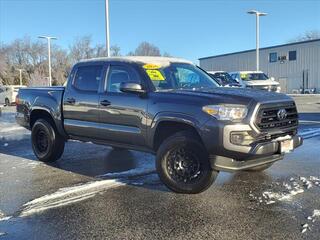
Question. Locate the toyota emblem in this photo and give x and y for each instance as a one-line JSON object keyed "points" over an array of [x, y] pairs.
{"points": [[282, 114]]}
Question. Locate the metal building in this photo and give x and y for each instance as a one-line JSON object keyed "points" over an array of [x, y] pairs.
{"points": [[295, 65]]}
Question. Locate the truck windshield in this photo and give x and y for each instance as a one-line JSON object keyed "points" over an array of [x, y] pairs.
{"points": [[179, 76], [253, 76]]}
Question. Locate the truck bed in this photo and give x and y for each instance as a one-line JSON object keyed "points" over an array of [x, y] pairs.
{"points": [[42, 99]]}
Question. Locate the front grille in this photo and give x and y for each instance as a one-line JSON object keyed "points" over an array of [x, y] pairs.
{"points": [[268, 119]]}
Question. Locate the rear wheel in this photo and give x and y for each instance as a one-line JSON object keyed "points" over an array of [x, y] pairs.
{"points": [[260, 168], [183, 164], [47, 143]]}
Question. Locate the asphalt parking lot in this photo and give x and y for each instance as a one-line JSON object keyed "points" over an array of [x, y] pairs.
{"points": [[95, 192]]}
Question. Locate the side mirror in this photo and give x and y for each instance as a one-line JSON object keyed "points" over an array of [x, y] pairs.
{"points": [[131, 87], [272, 79], [237, 80]]}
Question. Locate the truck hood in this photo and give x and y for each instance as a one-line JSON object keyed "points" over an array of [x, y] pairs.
{"points": [[235, 95], [261, 82]]}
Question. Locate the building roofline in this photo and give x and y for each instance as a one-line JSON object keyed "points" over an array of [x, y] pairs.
{"points": [[251, 50]]}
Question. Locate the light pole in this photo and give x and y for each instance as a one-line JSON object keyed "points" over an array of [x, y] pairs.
{"points": [[49, 55], [258, 14], [107, 27], [20, 71]]}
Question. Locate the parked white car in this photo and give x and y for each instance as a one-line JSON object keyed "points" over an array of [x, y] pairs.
{"points": [[8, 93], [256, 80]]}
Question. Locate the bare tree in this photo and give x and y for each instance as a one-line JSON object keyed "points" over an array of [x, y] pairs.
{"points": [[81, 49], [37, 79], [308, 35], [147, 49], [99, 51], [31, 55], [166, 54], [115, 50], [61, 65]]}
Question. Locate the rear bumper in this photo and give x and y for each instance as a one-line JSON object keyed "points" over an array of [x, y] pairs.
{"points": [[258, 156]]}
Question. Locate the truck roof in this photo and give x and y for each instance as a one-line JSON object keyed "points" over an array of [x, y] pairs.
{"points": [[162, 61]]}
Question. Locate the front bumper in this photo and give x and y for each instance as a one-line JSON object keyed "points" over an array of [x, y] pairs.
{"points": [[220, 163], [261, 153]]}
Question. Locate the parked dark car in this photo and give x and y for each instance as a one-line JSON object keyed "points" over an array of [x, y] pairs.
{"points": [[223, 78], [165, 106]]}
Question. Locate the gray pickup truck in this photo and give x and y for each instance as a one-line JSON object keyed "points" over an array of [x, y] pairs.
{"points": [[165, 106]]}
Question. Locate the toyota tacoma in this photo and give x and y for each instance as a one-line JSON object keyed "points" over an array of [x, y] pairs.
{"points": [[165, 106]]}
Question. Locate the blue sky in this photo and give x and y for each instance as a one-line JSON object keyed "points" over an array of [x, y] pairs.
{"points": [[188, 29]]}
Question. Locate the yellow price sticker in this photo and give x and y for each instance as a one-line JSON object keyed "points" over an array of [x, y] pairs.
{"points": [[243, 75], [151, 66], [155, 75]]}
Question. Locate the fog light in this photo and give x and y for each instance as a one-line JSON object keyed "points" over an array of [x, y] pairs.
{"points": [[241, 138]]}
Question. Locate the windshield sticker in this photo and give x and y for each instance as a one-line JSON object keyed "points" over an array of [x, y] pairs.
{"points": [[151, 66], [243, 75], [155, 75]]}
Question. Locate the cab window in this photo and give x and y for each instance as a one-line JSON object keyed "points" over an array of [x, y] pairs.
{"points": [[88, 78]]}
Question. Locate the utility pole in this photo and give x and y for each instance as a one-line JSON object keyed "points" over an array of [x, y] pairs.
{"points": [[258, 14], [107, 27], [20, 71], [49, 55]]}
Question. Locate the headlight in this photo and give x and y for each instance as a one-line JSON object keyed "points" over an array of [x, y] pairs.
{"points": [[226, 112]]}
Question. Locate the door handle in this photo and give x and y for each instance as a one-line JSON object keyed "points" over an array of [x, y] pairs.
{"points": [[105, 103], [71, 100]]}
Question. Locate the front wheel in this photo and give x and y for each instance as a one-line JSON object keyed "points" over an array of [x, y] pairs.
{"points": [[183, 164], [47, 143], [7, 102]]}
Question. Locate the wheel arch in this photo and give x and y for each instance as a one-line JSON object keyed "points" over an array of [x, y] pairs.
{"points": [[43, 113], [169, 124]]}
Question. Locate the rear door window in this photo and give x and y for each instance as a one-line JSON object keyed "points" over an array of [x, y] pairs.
{"points": [[88, 78]]}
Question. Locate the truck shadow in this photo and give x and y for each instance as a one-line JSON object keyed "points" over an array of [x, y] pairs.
{"points": [[131, 167]]}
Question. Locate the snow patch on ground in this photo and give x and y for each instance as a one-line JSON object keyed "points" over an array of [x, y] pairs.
{"points": [[3, 217], [10, 130], [311, 219], [68, 195], [288, 190], [316, 213]]}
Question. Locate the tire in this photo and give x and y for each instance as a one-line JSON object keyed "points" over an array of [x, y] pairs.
{"points": [[47, 143], [179, 174], [259, 168], [7, 102]]}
